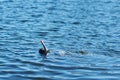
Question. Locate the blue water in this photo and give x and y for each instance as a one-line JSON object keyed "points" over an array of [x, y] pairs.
{"points": [[83, 36]]}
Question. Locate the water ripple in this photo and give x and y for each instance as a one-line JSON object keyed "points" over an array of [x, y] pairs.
{"points": [[83, 37]]}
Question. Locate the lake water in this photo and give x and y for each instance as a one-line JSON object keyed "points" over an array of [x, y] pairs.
{"points": [[83, 36]]}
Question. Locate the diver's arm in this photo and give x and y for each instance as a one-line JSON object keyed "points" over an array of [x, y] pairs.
{"points": [[43, 45]]}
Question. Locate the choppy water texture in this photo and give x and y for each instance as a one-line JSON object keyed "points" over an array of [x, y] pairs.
{"points": [[83, 36]]}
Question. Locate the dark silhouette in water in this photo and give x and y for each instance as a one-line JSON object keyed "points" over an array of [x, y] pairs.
{"points": [[43, 51]]}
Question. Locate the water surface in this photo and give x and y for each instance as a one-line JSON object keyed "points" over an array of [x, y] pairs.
{"points": [[83, 36]]}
